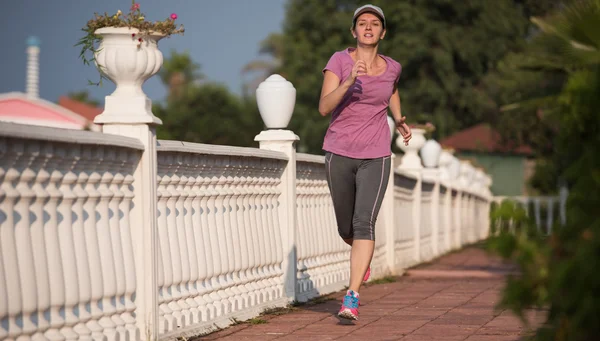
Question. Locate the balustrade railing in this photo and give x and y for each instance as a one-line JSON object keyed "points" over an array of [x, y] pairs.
{"points": [[117, 236]]}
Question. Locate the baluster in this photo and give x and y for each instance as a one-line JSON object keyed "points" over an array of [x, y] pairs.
{"points": [[130, 158], [181, 252], [65, 238], [274, 204], [173, 242], [233, 182], [55, 270], [262, 282], [250, 228], [302, 225], [5, 163], [106, 251], [199, 228], [192, 258], [217, 214], [8, 249], [36, 228], [22, 239], [314, 256], [79, 249], [207, 238], [113, 184], [231, 292], [538, 218], [166, 318], [268, 228], [214, 235], [550, 216], [92, 246], [244, 241]]}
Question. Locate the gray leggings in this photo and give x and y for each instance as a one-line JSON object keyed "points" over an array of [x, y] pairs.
{"points": [[357, 187]]}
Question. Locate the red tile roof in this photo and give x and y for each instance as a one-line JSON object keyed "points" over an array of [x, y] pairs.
{"points": [[482, 138], [83, 109]]}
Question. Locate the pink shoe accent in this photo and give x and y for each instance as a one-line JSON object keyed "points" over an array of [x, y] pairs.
{"points": [[367, 274]]}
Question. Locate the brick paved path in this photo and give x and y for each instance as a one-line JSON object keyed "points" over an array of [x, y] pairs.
{"points": [[452, 298]]}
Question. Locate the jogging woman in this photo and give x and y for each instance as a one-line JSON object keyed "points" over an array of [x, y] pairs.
{"points": [[358, 87]]}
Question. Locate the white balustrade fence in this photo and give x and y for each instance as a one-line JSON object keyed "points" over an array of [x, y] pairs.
{"points": [[117, 236], [545, 211]]}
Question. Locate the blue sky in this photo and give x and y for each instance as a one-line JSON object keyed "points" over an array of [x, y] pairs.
{"points": [[221, 35]]}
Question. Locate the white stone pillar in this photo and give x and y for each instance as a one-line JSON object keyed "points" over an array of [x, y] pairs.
{"points": [[411, 164], [128, 113], [276, 98], [433, 175], [285, 141], [389, 221]]}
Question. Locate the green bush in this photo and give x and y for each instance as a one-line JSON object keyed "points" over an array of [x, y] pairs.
{"points": [[560, 272]]}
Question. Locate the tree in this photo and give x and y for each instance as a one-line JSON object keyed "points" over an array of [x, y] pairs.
{"points": [[203, 112], [272, 46], [209, 113], [559, 273], [446, 49], [179, 71]]}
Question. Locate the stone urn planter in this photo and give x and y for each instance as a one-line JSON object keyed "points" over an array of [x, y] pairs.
{"points": [[430, 153], [128, 62], [276, 98], [411, 159]]}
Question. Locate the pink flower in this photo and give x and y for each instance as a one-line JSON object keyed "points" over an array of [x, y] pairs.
{"points": [[135, 7], [173, 16]]}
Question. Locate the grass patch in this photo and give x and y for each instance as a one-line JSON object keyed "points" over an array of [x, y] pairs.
{"points": [[257, 320], [321, 299], [384, 280], [279, 311]]}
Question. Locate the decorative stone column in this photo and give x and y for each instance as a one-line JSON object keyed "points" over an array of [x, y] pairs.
{"points": [[430, 153], [411, 159], [411, 164], [127, 112], [276, 98]]}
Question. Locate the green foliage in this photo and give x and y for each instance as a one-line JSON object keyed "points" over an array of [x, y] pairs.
{"points": [[179, 70], [209, 113], [446, 49], [516, 238], [203, 112], [560, 272]]}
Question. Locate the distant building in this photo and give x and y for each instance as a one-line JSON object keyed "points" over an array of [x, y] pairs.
{"points": [[28, 108], [510, 166]]}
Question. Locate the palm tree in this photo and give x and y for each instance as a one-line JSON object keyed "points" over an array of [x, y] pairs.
{"points": [[570, 42], [179, 70]]}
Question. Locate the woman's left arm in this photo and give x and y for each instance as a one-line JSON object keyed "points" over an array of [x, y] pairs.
{"points": [[396, 110]]}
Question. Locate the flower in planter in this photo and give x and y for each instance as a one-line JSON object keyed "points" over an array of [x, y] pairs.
{"points": [[134, 19]]}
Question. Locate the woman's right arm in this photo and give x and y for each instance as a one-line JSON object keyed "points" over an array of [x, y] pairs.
{"points": [[332, 91]]}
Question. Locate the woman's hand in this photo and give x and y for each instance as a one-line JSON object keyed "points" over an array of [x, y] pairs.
{"points": [[404, 130], [359, 69]]}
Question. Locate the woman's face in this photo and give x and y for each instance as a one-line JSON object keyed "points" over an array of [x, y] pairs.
{"points": [[369, 29]]}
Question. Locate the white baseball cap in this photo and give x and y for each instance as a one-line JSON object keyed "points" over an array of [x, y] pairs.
{"points": [[369, 8]]}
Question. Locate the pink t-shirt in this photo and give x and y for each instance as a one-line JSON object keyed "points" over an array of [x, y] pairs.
{"points": [[358, 127]]}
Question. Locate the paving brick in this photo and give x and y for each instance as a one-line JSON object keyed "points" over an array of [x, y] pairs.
{"points": [[452, 298]]}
